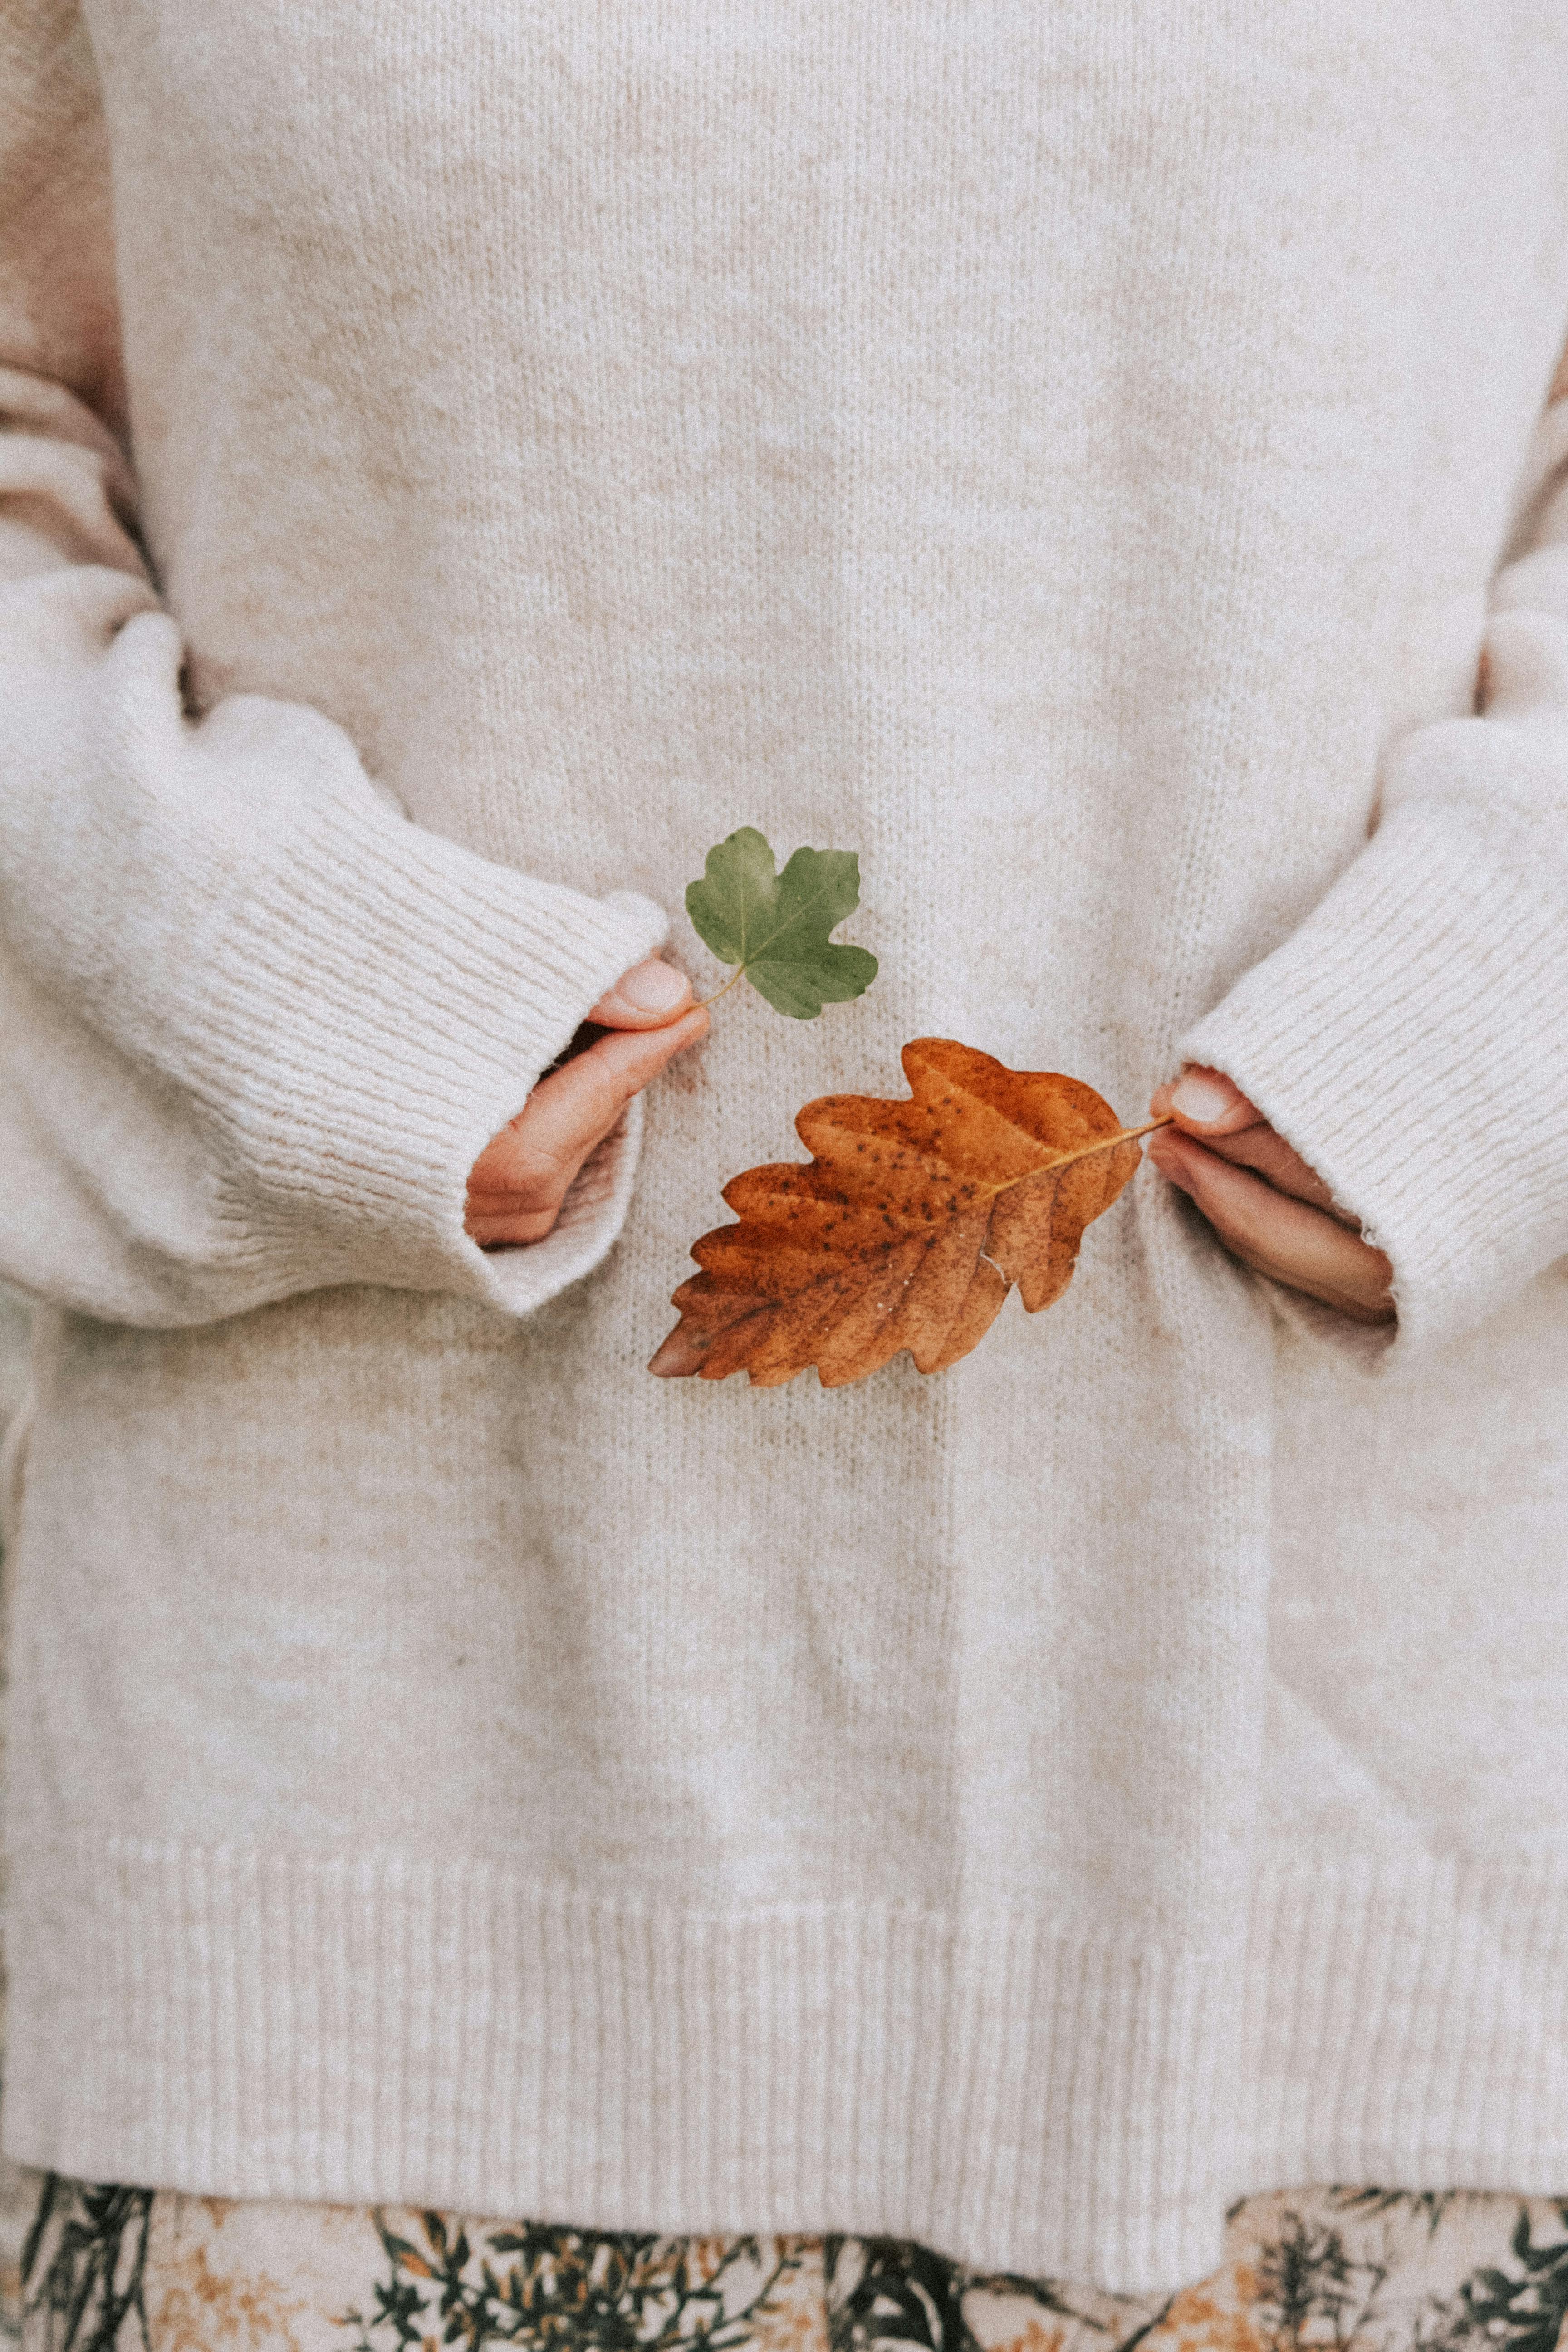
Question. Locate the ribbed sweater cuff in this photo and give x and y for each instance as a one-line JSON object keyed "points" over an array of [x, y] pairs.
{"points": [[380, 1006], [1411, 1040]]}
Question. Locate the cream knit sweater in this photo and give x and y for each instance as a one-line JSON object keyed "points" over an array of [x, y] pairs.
{"points": [[1076, 456]]}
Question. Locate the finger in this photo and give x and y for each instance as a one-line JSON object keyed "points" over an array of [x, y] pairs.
{"points": [[524, 1173], [1264, 1149], [569, 1111], [1238, 1131], [1276, 1236], [520, 1192], [652, 993], [582, 1102]]}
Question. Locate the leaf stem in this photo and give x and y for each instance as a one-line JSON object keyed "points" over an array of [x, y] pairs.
{"points": [[703, 1002], [1088, 1151]]}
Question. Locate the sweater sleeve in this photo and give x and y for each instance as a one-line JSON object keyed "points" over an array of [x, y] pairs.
{"points": [[255, 1027], [1411, 1037]]}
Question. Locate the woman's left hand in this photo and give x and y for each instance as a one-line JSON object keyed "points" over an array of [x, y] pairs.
{"points": [[1269, 1208], [519, 1183]]}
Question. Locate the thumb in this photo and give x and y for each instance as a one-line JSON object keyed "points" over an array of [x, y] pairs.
{"points": [[652, 993], [1206, 1102]]}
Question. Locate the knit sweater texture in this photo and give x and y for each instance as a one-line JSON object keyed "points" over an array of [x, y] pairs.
{"points": [[1097, 461]]}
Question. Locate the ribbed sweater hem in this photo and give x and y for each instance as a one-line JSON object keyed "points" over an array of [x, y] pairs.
{"points": [[264, 2024]]}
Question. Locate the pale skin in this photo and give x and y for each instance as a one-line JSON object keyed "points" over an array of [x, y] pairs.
{"points": [[519, 1180], [1265, 1205]]}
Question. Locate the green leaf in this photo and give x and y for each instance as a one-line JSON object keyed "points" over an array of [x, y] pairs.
{"points": [[775, 926]]}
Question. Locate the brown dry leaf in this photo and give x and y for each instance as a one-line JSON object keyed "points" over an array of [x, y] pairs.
{"points": [[909, 1226]]}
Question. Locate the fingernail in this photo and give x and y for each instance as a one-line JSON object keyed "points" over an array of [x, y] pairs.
{"points": [[1202, 1098], [652, 987]]}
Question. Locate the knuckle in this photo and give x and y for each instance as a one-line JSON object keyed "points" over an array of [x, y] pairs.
{"points": [[540, 1196], [503, 1231], [521, 1202], [535, 1227], [605, 1095], [535, 1184]]}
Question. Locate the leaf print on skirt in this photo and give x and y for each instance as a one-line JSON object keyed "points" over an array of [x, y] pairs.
{"points": [[113, 2268]]}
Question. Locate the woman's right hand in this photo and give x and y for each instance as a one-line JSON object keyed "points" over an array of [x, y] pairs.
{"points": [[524, 1175]]}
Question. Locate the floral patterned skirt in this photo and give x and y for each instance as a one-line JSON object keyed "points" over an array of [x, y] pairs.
{"points": [[1360, 2269]]}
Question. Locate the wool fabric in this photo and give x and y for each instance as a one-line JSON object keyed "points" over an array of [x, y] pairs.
{"points": [[1097, 462]]}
